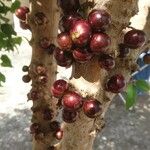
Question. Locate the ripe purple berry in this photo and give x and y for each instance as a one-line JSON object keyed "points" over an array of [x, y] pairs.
{"points": [[100, 43], [82, 55], [91, 108], [80, 33], [64, 41], [99, 19], [135, 39], [59, 87], [116, 83], [72, 101], [107, 62]]}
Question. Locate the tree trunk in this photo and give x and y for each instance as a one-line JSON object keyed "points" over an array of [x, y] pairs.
{"points": [[88, 79], [43, 28]]}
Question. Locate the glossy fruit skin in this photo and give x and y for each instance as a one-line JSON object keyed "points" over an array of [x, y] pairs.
{"points": [[24, 25], [91, 108], [64, 41], [69, 116], [54, 126], [124, 50], [21, 12], [72, 101], [99, 19], [135, 38], [59, 134], [34, 128], [59, 87], [146, 59], [107, 62], [25, 68], [116, 83], [68, 21], [68, 5], [26, 78], [47, 114], [63, 58], [99, 43], [80, 33], [82, 55]]}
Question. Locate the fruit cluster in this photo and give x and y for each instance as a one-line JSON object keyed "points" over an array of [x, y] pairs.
{"points": [[80, 39], [72, 102], [21, 13]]}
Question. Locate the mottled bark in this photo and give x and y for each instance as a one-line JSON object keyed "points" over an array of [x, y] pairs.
{"points": [[89, 79], [48, 29]]}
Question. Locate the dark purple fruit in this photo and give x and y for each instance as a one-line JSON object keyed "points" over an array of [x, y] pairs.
{"points": [[82, 55], [24, 25], [72, 101], [80, 33], [64, 41], [68, 21], [91, 108], [25, 68], [59, 134], [63, 58], [69, 116], [107, 62], [116, 83], [34, 128], [100, 43], [21, 12], [59, 87], [135, 39], [26, 78], [146, 59], [99, 19]]}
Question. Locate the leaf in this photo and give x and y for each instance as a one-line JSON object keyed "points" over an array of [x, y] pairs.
{"points": [[15, 5], [131, 95], [2, 78], [16, 40], [6, 62], [8, 29], [142, 85], [3, 8]]}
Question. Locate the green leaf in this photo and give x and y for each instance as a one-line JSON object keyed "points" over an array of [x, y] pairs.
{"points": [[15, 5], [16, 40], [7, 29], [3, 8], [2, 78], [142, 85], [6, 62], [131, 95]]}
